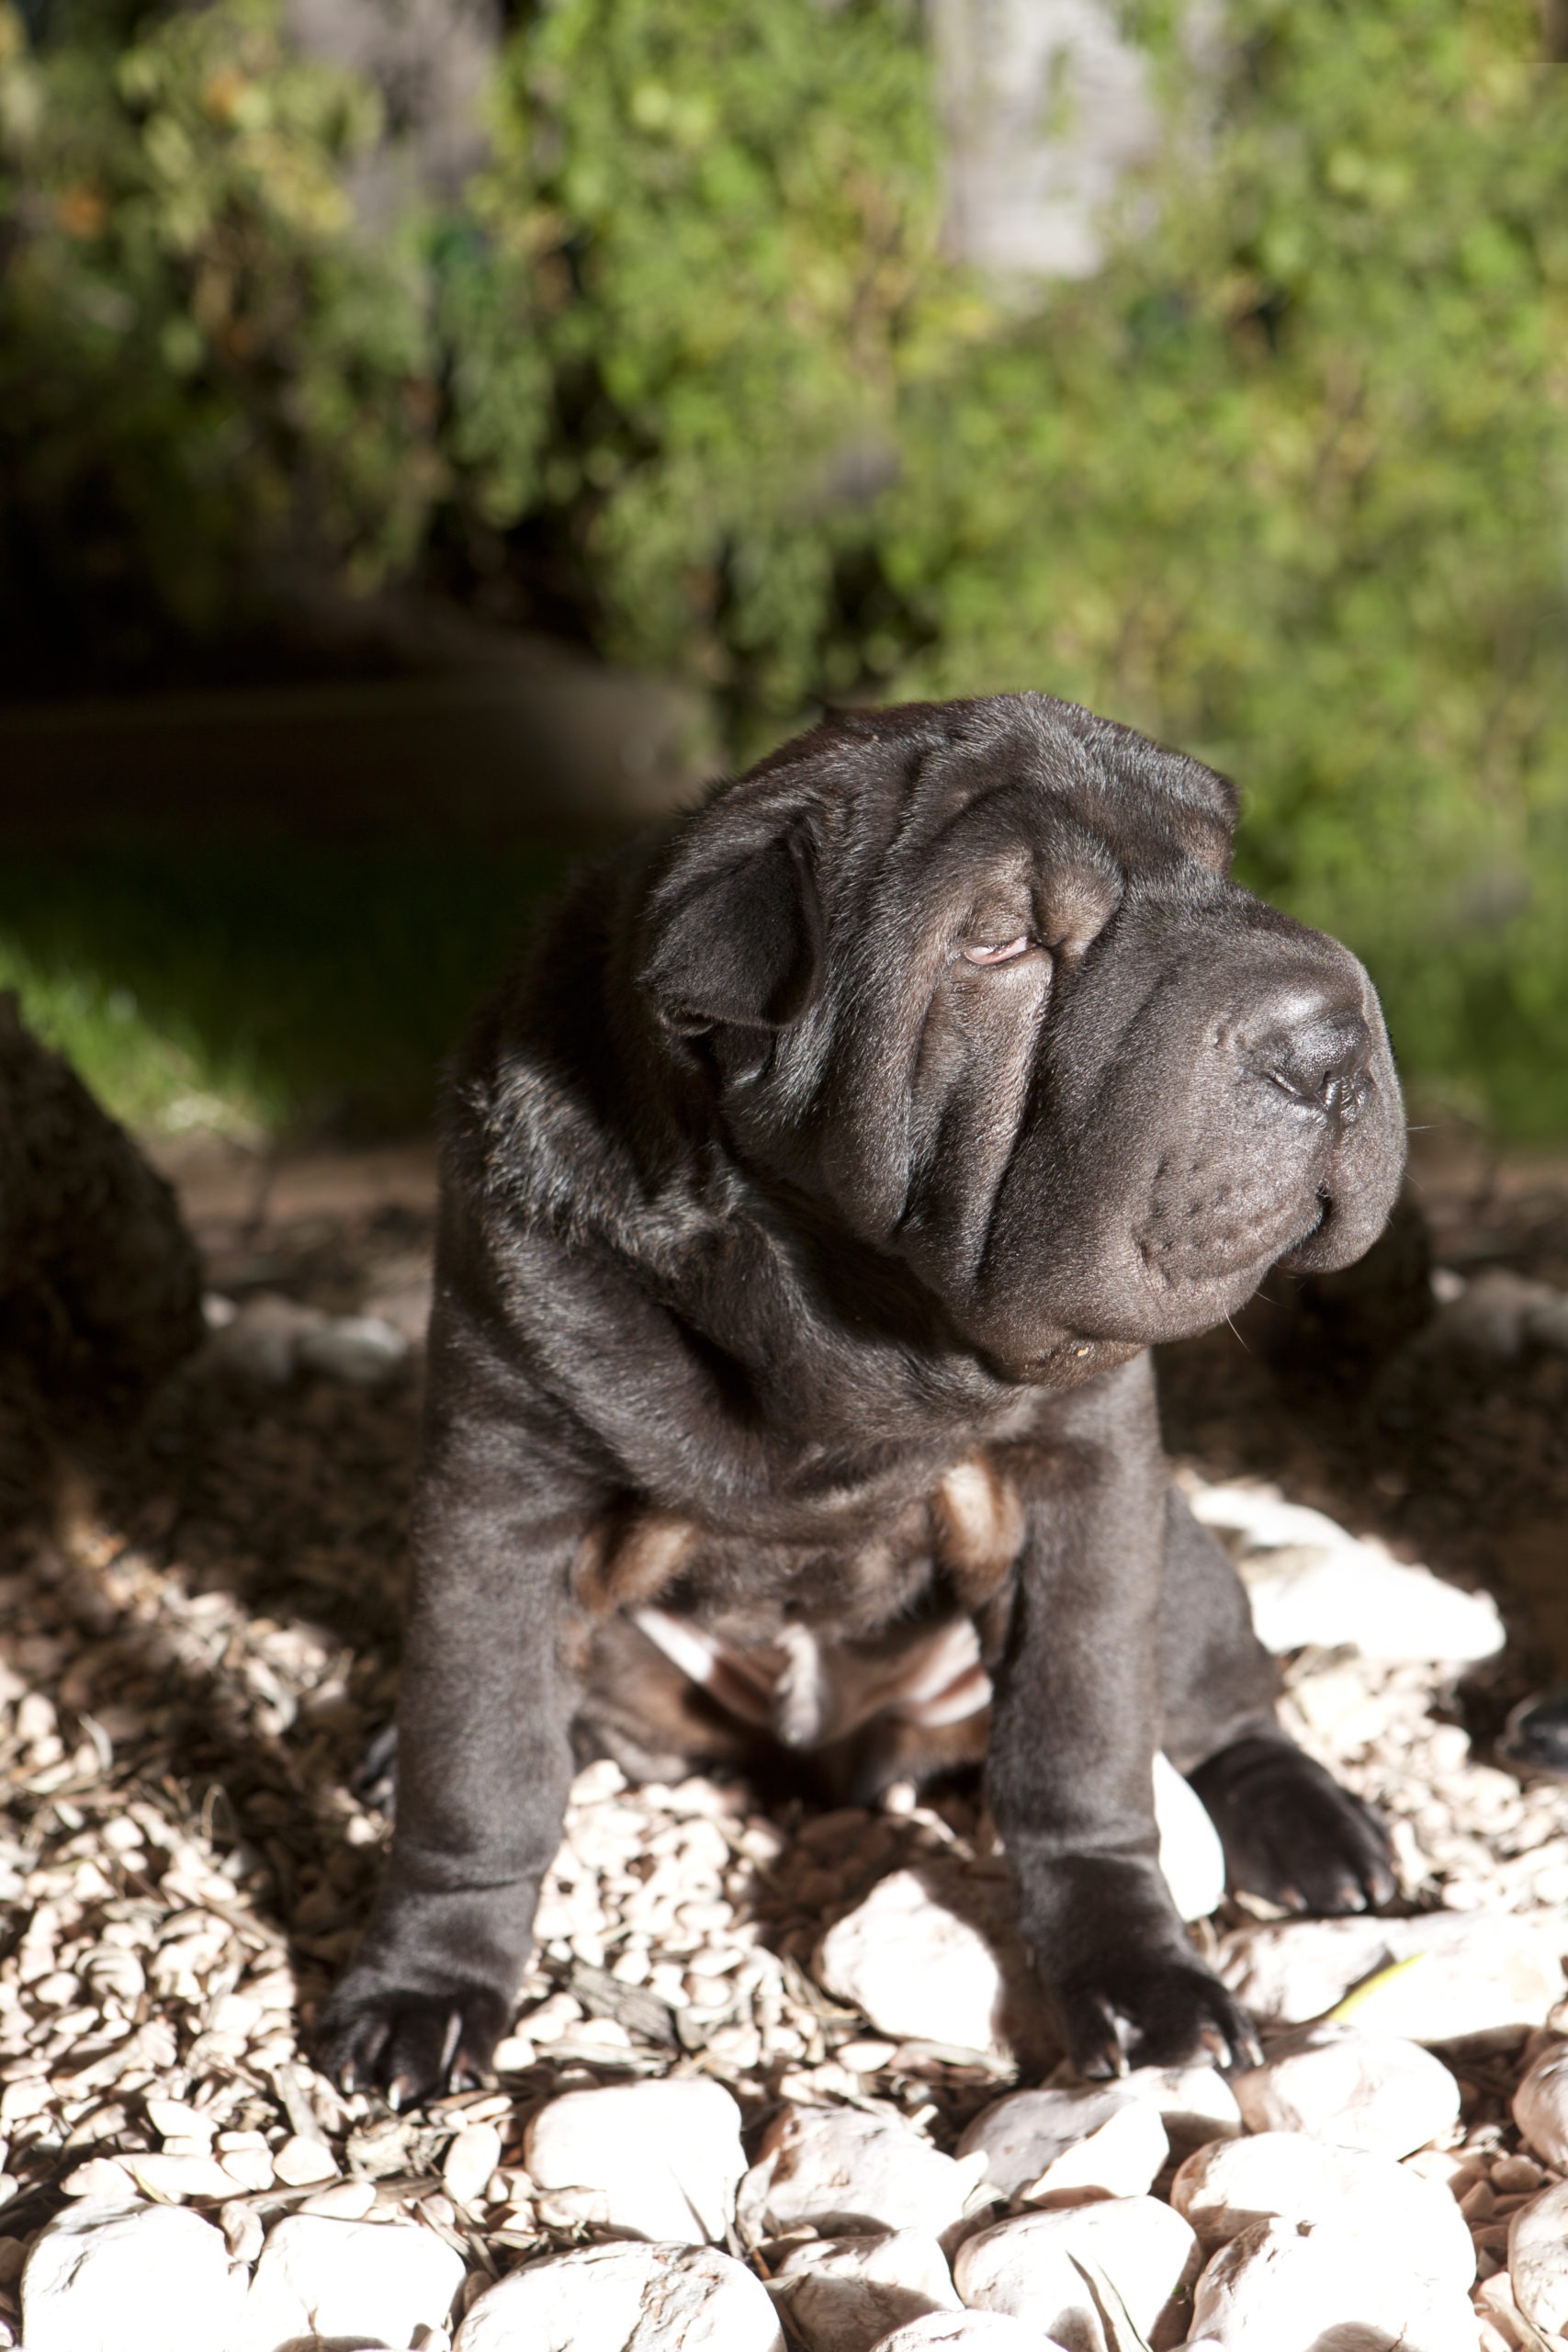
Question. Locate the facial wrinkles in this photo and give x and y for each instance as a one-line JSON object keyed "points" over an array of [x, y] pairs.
{"points": [[977, 1045], [892, 967], [1027, 1203], [1027, 1073], [968, 1092]]}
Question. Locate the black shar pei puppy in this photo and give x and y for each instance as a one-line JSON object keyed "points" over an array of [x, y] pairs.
{"points": [[812, 1198]]}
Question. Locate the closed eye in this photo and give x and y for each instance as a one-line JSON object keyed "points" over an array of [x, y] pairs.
{"points": [[1003, 952]]}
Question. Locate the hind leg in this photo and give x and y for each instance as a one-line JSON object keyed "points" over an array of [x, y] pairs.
{"points": [[1291, 1833]]}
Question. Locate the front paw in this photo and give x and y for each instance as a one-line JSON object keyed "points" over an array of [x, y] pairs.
{"points": [[1162, 2011], [1291, 1833], [412, 2045]]}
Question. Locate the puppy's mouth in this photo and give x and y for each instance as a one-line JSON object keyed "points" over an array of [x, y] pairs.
{"points": [[1317, 1225]]}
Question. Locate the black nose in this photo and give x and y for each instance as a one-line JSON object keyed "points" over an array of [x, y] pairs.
{"points": [[1322, 1061]]}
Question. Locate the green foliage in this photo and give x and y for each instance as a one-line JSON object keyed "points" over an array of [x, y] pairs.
{"points": [[1288, 484], [1288, 487], [207, 378], [726, 214]]}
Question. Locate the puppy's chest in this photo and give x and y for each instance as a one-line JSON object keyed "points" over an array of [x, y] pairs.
{"points": [[809, 1637]]}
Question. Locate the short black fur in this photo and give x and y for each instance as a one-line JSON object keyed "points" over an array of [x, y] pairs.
{"points": [[811, 1199]]}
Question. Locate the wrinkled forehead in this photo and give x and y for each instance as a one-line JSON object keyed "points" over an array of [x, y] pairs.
{"points": [[1022, 808]]}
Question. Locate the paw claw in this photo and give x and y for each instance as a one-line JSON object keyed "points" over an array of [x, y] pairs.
{"points": [[1156, 2012], [1291, 1833], [409, 2045]]}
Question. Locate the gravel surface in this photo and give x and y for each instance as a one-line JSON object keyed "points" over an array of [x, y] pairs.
{"points": [[197, 1657]]}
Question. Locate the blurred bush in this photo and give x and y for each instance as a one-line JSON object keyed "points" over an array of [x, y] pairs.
{"points": [[208, 384], [688, 372]]}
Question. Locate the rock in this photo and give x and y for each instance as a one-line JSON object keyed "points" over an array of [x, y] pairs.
{"points": [[300, 2163], [1052, 2144], [243, 2232], [1541, 2104], [1481, 1979], [100, 1284], [847, 2172], [1190, 1854], [363, 1350], [107, 2178], [171, 2178], [1195, 2103], [960, 2331], [1495, 1315], [913, 1960], [363, 2282], [514, 2053], [1299, 2286], [1546, 1320], [248, 2168], [841, 2294], [129, 2278], [469, 2162], [1353, 2089], [1537, 2258], [1119, 2159], [1222, 2190], [1310, 1582], [664, 2156], [1045, 2268], [626, 2298], [260, 1344], [933, 1954], [172, 2118]]}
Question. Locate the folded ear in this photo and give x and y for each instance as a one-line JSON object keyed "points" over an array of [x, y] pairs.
{"points": [[737, 930]]}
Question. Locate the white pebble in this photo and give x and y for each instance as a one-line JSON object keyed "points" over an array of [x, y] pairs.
{"points": [[1537, 2258], [966, 2332], [1190, 1855], [363, 1350], [514, 2053], [1222, 2190], [148, 2279], [1299, 2286], [260, 1343], [469, 2161], [299, 2163], [248, 2168], [1195, 2103], [626, 2298], [916, 1968], [842, 2294], [1475, 1977], [1033, 2268], [343, 2201], [243, 2232], [172, 2119], [846, 2172], [665, 2157], [1353, 2089], [1310, 1582], [102, 2178], [1541, 2104], [1050, 2142], [367, 2282], [176, 2177]]}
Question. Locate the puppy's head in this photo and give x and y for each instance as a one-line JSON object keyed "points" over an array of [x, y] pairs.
{"points": [[974, 978]]}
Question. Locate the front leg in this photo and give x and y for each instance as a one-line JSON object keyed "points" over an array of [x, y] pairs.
{"points": [[484, 1765], [1076, 1722]]}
